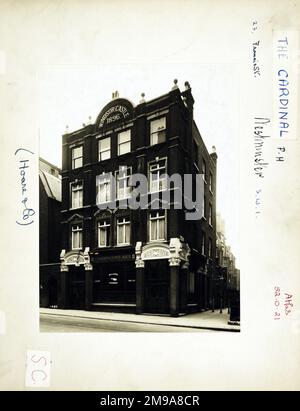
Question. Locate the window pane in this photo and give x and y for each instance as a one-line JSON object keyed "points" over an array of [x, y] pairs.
{"points": [[104, 149], [104, 144], [74, 240], [163, 182], [127, 233], [77, 162], [124, 148], [103, 189], [102, 237], [157, 125], [153, 229], [76, 237], [161, 136], [161, 229], [77, 152], [120, 234], [105, 155], [124, 137]]}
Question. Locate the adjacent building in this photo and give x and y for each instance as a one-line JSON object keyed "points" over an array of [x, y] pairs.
{"points": [[49, 232], [227, 278], [150, 260]]}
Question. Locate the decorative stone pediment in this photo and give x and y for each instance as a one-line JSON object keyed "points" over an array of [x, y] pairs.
{"points": [[176, 252], [76, 258], [155, 251]]}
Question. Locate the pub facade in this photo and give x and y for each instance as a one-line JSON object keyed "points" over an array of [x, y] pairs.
{"points": [[143, 260]]}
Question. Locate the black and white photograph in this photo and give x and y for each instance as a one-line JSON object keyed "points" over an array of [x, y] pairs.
{"points": [[150, 198], [128, 220]]}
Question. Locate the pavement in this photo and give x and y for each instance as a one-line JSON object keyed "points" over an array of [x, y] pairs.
{"points": [[206, 320]]}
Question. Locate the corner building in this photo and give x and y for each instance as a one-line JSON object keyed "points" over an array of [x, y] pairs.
{"points": [[144, 260]]}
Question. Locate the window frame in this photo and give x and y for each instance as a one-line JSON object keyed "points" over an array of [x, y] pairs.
{"points": [[80, 231], [210, 214], [196, 153], [73, 160], [104, 151], [152, 133], [103, 223], [204, 169], [152, 163], [126, 222], [210, 182], [210, 247], [126, 142], [106, 183], [72, 191], [118, 179], [157, 219]]}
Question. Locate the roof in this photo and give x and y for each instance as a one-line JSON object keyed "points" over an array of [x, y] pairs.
{"points": [[47, 166], [52, 185]]}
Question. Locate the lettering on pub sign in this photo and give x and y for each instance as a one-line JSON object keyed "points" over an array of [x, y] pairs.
{"points": [[119, 111]]}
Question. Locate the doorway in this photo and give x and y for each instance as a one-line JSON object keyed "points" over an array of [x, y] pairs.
{"points": [[157, 286]]}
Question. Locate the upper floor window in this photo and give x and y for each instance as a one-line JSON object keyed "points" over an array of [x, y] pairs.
{"points": [[210, 182], [103, 188], [123, 231], [204, 207], [103, 233], [157, 225], [210, 214], [204, 169], [210, 248], [122, 177], [104, 149], [202, 243], [158, 131], [157, 175], [196, 153], [77, 157], [76, 236], [124, 142], [77, 194]]}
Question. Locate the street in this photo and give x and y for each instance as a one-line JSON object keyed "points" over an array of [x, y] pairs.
{"points": [[60, 323]]}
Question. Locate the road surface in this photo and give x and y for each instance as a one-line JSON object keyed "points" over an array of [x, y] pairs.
{"points": [[60, 323]]}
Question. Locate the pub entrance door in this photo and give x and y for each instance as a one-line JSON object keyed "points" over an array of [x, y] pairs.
{"points": [[157, 286], [77, 287]]}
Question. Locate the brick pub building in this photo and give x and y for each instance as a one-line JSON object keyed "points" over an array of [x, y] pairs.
{"points": [[144, 260]]}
